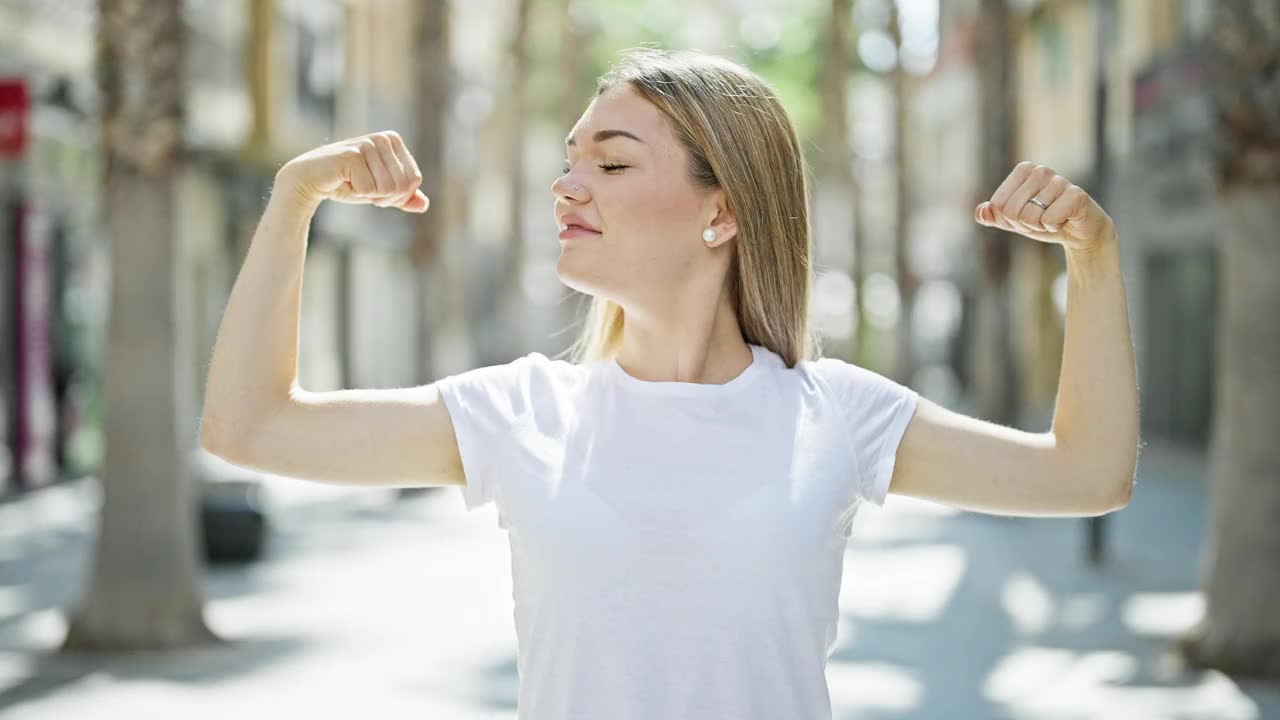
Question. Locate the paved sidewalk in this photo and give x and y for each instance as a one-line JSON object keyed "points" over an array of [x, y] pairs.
{"points": [[386, 608]]}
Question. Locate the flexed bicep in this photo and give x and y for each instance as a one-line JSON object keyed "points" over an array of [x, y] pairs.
{"points": [[978, 465]]}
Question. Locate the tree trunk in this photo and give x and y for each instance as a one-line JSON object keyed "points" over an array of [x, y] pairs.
{"points": [[904, 360], [837, 156], [515, 307], [1240, 632], [145, 587], [992, 381], [432, 100]]}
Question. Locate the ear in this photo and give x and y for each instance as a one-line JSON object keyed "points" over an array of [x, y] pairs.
{"points": [[723, 222]]}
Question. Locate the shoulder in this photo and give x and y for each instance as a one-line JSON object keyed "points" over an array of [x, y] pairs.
{"points": [[849, 381], [524, 380]]}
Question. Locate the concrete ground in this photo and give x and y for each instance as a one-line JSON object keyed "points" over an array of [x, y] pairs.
{"points": [[401, 608]]}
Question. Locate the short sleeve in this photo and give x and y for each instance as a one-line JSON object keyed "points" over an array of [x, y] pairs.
{"points": [[876, 412], [486, 405]]}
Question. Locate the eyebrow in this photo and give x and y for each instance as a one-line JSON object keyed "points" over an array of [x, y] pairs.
{"points": [[603, 135]]}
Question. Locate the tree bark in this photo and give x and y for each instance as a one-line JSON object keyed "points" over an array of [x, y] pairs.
{"points": [[1240, 631], [432, 100], [904, 359], [514, 307], [145, 584], [837, 156], [992, 381]]}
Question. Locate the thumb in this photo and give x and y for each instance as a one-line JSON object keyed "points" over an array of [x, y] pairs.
{"points": [[417, 203]]}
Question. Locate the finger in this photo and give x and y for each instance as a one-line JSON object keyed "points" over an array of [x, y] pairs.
{"points": [[410, 165], [360, 183], [1033, 215], [400, 191], [417, 202], [384, 184], [1036, 181], [1000, 198], [986, 215], [1070, 205]]}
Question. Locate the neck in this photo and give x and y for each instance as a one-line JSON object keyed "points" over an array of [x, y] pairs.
{"points": [[677, 344]]}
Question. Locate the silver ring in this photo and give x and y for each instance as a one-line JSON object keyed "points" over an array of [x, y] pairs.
{"points": [[1041, 205]]}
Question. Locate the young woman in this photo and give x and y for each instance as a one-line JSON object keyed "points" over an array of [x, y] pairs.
{"points": [[679, 497]]}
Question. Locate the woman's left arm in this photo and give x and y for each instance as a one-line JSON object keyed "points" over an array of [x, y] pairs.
{"points": [[1085, 463]]}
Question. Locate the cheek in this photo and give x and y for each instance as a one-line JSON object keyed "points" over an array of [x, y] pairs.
{"points": [[656, 213]]}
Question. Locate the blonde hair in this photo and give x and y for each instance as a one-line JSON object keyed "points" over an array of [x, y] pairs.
{"points": [[738, 137]]}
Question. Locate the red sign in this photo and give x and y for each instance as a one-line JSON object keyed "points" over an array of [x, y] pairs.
{"points": [[15, 109]]}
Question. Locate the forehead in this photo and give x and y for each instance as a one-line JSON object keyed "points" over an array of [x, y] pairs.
{"points": [[621, 109]]}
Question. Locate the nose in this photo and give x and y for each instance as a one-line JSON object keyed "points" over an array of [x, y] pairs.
{"points": [[567, 188]]}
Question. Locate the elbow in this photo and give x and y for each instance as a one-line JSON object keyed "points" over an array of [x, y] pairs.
{"points": [[1120, 495], [1117, 492], [224, 437], [1106, 487], [216, 443]]}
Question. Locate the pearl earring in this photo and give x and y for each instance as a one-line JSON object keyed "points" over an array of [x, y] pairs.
{"points": [[709, 235]]}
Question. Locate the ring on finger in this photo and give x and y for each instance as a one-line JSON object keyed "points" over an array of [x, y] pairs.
{"points": [[1039, 204]]}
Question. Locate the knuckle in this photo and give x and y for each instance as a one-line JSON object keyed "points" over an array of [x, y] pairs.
{"points": [[1043, 172], [1024, 165]]}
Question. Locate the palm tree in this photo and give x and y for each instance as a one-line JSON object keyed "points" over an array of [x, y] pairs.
{"points": [[1240, 630], [145, 585]]}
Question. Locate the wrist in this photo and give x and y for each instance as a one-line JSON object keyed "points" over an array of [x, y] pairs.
{"points": [[1100, 256], [288, 188]]}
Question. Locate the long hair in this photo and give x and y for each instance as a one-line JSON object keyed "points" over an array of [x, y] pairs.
{"points": [[738, 137]]}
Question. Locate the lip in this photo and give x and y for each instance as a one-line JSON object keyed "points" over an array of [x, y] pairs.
{"points": [[574, 226], [575, 231], [568, 220]]}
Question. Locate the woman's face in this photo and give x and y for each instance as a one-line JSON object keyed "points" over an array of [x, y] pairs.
{"points": [[626, 175]]}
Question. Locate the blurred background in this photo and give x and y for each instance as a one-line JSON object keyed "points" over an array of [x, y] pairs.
{"points": [[138, 143]]}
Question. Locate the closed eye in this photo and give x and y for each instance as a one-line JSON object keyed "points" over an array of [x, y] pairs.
{"points": [[606, 167]]}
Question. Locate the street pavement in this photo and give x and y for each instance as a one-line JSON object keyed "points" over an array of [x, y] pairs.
{"points": [[370, 605]]}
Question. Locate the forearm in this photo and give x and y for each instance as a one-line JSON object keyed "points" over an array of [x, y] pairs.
{"points": [[255, 356], [1096, 418]]}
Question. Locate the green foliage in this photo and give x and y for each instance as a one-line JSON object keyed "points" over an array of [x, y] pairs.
{"points": [[792, 63]]}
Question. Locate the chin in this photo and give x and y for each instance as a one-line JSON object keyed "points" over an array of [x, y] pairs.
{"points": [[578, 278]]}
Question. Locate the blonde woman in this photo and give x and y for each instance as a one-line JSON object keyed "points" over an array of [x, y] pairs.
{"points": [[679, 495]]}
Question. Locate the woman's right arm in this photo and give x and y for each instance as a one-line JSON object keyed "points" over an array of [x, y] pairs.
{"points": [[255, 413]]}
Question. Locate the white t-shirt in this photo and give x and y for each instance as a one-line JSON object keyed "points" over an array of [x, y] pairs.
{"points": [[676, 548]]}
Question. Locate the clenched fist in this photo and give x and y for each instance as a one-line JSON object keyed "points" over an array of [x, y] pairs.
{"points": [[376, 169], [1037, 202]]}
